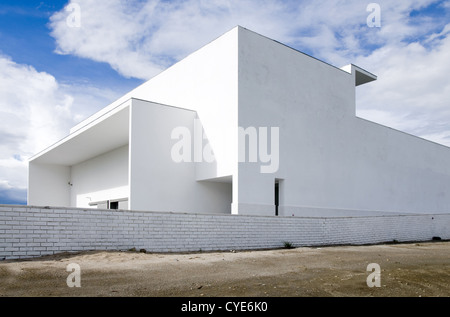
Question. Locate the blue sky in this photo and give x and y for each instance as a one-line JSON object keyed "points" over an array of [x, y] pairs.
{"points": [[24, 36], [53, 75]]}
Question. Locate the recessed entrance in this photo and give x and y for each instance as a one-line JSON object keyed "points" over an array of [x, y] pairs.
{"points": [[277, 197]]}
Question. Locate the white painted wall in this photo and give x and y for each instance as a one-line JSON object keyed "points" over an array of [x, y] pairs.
{"points": [[281, 87], [396, 171], [50, 185], [206, 82], [157, 182], [101, 178], [328, 157]]}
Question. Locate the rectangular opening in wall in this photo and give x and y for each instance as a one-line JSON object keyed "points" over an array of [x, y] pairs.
{"points": [[118, 203], [114, 205], [111, 204], [277, 196]]}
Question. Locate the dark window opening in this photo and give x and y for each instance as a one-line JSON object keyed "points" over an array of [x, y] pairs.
{"points": [[114, 205]]}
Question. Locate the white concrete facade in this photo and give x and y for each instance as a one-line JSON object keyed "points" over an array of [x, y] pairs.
{"points": [[327, 161]]}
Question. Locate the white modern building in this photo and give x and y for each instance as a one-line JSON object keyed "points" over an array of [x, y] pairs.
{"points": [[245, 125]]}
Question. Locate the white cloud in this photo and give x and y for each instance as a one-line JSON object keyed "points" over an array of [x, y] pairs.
{"points": [[413, 91], [88, 99], [4, 184], [34, 108], [440, 137], [141, 38], [112, 32], [36, 111], [409, 54]]}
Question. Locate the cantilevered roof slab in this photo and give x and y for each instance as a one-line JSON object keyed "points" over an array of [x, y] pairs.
{"points": [[362, 76], [104, 134]]}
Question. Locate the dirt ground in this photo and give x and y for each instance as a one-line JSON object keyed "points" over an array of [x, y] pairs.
{"points": [[415, 269]]}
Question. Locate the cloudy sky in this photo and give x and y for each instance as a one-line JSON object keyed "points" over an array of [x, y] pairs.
{"points": [[61, 61]]}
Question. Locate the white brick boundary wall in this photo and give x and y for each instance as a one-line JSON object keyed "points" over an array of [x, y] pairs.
{"points": [[27, 231]]}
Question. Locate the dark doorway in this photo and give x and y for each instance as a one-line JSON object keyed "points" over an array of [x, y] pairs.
{"points": [[114, 205], [277, 198]]}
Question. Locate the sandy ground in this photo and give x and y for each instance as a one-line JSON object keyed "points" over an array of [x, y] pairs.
{"points": [[415, 269]]}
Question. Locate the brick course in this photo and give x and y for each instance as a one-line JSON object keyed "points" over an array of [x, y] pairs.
{"points": [[27, 231]]}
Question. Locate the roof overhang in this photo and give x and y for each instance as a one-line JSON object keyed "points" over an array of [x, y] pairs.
{"points": [[362, 76], [106, 133]]}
